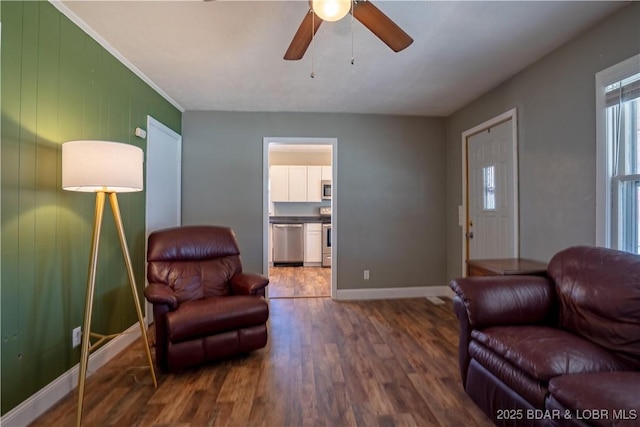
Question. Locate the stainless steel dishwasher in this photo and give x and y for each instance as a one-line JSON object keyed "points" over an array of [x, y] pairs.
{"points": [[288, 244]]}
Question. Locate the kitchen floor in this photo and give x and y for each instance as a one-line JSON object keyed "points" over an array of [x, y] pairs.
{"points": [[299, 282]]}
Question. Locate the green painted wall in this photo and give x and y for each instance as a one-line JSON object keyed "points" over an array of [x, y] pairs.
{"points": [[58, 85]]}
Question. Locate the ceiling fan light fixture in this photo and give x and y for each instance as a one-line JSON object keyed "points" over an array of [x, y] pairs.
{"points": [[331, 10]]}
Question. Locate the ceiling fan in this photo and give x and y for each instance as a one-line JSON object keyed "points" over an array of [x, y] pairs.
{"points": [[332, 10]]}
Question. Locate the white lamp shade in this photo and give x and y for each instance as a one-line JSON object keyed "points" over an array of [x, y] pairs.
{"points": [[92, 166], [331, 10]]}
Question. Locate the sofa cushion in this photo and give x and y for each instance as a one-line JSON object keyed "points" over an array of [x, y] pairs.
{"points": [[543, 352], [597, 300], [614, 395], [215, 315]]}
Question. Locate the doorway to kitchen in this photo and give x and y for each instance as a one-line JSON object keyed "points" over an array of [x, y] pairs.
{"points": [[299, 216]]}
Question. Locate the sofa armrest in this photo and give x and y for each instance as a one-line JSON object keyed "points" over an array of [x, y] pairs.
{"points": [[157, 293], [248, 284], [498, 300], [505, 300]]}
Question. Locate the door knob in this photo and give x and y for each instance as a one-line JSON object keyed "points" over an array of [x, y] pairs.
{"points": [[470, 235]]}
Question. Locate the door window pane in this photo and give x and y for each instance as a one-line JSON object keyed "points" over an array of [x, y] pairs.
{"points": [[489, 187]]}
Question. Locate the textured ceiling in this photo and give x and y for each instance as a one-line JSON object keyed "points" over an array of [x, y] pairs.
{"points": [[227, 55]]}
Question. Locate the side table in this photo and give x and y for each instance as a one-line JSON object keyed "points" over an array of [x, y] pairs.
{"points": [[505, 266]]}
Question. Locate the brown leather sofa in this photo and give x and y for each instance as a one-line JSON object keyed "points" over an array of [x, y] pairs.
{"points": [[204, 307], [557, 350]]}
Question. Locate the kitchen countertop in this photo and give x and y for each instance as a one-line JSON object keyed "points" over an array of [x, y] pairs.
{"points": [[299, 219]]}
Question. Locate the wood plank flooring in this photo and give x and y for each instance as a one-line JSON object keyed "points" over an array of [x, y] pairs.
{"points": [[327, 363], [299, 282]]}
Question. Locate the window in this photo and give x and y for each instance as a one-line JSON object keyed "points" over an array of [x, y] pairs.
{"points": [[489, 187], [618, 174]]}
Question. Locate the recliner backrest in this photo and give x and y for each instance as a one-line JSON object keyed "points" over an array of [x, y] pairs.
{"points": [[599, 296], [195, 261]]}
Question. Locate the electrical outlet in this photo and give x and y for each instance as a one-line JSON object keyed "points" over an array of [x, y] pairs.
{"points": [[76, 336], [366, 275]]}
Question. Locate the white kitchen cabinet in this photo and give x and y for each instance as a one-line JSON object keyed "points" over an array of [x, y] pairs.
{"points": [[326, 173], [279, 176], [313, 244], [314, 180], [297, 183]]}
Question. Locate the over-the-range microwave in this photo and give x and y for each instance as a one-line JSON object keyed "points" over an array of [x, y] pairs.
{"points": [[326, 190]]}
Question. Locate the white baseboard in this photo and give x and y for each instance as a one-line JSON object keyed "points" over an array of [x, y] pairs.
{"points": [[45, 398], [392, 293]]}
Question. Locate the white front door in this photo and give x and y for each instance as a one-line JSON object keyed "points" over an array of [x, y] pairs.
{"points": [[164, 172], [492, 193]]}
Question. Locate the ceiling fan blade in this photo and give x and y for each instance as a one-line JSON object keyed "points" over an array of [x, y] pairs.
{"points": [[303, 36], [380, 25]]}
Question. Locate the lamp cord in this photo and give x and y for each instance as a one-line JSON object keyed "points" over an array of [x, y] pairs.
{"points": [[130, 372]]}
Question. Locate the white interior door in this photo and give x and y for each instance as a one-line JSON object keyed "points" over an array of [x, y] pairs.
{"points": [[492, 193], [164, 172]]}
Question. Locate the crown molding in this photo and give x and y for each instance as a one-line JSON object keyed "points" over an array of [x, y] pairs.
{"points": [[62, 8]]}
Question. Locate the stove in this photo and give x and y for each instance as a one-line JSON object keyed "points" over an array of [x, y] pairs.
{"points": [[326, 237]]}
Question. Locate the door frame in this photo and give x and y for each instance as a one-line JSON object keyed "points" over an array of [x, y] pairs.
{"points": [[152, 126], [463, 211], [334, 200]]}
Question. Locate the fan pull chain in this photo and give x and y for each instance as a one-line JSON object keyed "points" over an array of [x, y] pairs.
{"points": [[352, 21], [313, 42]]}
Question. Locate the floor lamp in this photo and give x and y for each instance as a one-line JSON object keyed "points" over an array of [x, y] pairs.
{"points": [[104, 168]]}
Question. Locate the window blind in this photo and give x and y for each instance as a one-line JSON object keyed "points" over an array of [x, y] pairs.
{"points": [[622, 92]]}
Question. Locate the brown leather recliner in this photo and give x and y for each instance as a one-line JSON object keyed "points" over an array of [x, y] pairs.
{"points": [[561, 350], [204, 307]]}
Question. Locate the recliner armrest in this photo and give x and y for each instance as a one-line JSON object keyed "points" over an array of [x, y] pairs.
{"points": [[248, 284], [157, 293], [505, 300]]}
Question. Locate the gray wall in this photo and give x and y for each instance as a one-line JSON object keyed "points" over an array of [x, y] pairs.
{"points": [[555, 99], [391, 188]]}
